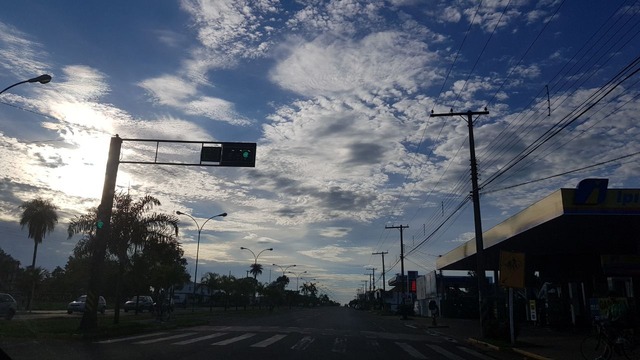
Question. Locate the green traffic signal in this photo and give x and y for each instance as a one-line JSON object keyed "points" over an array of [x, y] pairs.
{"points": [[100, 224]]}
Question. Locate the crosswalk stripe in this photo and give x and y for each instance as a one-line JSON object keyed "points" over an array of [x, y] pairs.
{"points": [[411, 350], [445, 353], [234, 339], [164, 338], [303, 343], [269, 341], [130, 338], [475, 353], [201, 338]]}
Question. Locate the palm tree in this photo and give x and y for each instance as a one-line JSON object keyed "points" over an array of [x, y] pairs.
{"points": [[212, 281], [256, 269], [40, 217], [134, 228]]}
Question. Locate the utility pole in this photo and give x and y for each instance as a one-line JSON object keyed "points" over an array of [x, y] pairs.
{"points": [[369, 274], [480, 262], [404, 281], [383, 270], [373, 278]]}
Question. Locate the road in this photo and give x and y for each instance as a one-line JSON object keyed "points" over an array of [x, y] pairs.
{"points": [[316, 333]]}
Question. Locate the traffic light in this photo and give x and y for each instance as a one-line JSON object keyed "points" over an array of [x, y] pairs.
{"points": [[100, 224], [238, 154]]}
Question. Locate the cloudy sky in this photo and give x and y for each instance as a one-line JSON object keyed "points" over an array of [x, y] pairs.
{"points": [[337, 96]]}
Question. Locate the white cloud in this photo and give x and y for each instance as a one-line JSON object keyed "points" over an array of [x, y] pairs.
{"points": [[20, 55], [451, 14], [181, 94], [386, 63]]}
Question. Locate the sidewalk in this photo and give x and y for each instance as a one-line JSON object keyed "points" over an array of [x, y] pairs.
{"points": [[533, 342]]}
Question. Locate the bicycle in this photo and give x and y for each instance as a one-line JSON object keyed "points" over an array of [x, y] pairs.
{"points": [[610, 343], [163, 311]]}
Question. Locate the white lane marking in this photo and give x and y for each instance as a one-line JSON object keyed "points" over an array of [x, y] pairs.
{"points": [[340, 345], [164, 338], [130, 338], [201, 338], [269, 341], [411, 350], [446, 353], [234, 339], [303, 343], [475, 353], [410, 326]]}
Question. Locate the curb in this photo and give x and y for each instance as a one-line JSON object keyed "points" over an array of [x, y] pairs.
{"points": [[530, 355], [482, 343], [527, 354]]}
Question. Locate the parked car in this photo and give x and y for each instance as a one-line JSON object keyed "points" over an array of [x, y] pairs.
{"points": [[144, 303], [78, 305], [8, 306]]}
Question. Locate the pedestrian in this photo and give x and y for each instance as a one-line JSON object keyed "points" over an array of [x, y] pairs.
{"points": [[434, 310]]}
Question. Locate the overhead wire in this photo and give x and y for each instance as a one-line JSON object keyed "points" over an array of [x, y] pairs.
{"points": [[379, 245], [537, 37], [565, 173], [497, 151], [558, 145], [569, 119]]}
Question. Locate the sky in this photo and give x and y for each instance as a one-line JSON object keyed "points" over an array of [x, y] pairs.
{"points": [[338, 96]]}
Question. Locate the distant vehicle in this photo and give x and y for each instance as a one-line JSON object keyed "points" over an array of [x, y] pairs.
{"points": [[8, 306], [144, 303], [78, 305]]}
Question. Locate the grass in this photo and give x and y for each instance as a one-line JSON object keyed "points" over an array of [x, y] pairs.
{"points": [[67, 326]]}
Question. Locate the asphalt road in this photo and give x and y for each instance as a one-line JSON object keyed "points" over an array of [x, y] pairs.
{"points": [[316, 333]]}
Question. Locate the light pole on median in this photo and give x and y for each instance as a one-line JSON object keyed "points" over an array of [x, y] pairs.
{"points": [[298, 278], [284, 268], [42, 79], [195, 275], [255, 257]]}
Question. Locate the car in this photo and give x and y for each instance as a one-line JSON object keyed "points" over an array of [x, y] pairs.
{"points": [[144, 303], [8, 306], [78, 305]]}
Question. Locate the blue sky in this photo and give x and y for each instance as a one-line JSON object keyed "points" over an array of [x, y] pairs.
{"points": [[337, 95]]}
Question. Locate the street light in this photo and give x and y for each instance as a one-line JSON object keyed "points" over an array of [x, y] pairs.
{"points": [[298, 278], [283, 267], [255, 257], [42, 79], [195, 275]]}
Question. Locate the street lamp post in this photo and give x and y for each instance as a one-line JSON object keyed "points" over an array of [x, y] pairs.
{"points": [[283, 267], [42, 79], [298, 278], [255, 257], [195, 275]]}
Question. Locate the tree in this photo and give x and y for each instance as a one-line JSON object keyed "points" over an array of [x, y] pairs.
{"points": [[256, 269], [212, 282], [40, 216], [8, 271], [227, 284], [137, 234]]}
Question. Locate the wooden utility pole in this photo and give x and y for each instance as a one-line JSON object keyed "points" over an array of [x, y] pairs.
{"points": [[383, 270], [480, 262], [404, 281]]}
